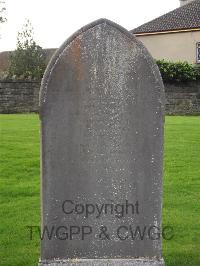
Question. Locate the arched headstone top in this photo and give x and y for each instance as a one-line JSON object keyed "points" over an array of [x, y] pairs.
{"points": [[104, 23]]}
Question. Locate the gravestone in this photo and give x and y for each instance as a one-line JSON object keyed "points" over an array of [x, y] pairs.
{"points": [[101, 114]]}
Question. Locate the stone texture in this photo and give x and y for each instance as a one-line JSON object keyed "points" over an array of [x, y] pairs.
{"points": [[183, 98], [103, 262], [102, 107], [20, 97]]}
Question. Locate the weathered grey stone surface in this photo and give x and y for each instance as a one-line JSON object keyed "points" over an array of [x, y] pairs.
{"points": [[182, 98], [102, 112], [108, 262], [19, 97]]}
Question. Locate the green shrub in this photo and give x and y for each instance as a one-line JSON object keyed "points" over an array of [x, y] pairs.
{"points": [[178, 71], [28, 60]]}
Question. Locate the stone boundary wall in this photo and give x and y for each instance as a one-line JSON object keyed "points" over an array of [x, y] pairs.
{"points": [[19, 97], [23, 97], [183, 98]]}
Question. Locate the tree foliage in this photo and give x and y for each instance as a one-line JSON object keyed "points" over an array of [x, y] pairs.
{"points": [[2, 12], [28, 60]]}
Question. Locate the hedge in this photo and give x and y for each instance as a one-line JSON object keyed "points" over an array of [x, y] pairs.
{"points": [[178, 71]]}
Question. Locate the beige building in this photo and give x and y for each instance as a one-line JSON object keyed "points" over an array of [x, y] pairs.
{"points": [[174, 36]]}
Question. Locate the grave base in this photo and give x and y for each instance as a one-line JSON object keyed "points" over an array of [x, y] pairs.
{"points": [[103, 262]]}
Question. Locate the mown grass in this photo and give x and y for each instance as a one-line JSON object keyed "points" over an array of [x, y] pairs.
{"points": [[19, 189], [20, 186], [181, 208]]}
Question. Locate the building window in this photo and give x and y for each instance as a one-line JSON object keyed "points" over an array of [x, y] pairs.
{"points": [[198, 53]]}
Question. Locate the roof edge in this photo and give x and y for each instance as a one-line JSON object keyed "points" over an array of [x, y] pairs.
{"points": [[134, 31], [165, 32]]}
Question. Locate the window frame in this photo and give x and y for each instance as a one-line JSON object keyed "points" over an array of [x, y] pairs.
{"points": [[198, 52]]}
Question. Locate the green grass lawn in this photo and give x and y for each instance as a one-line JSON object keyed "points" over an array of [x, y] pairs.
{"points": [[20, 188]]}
